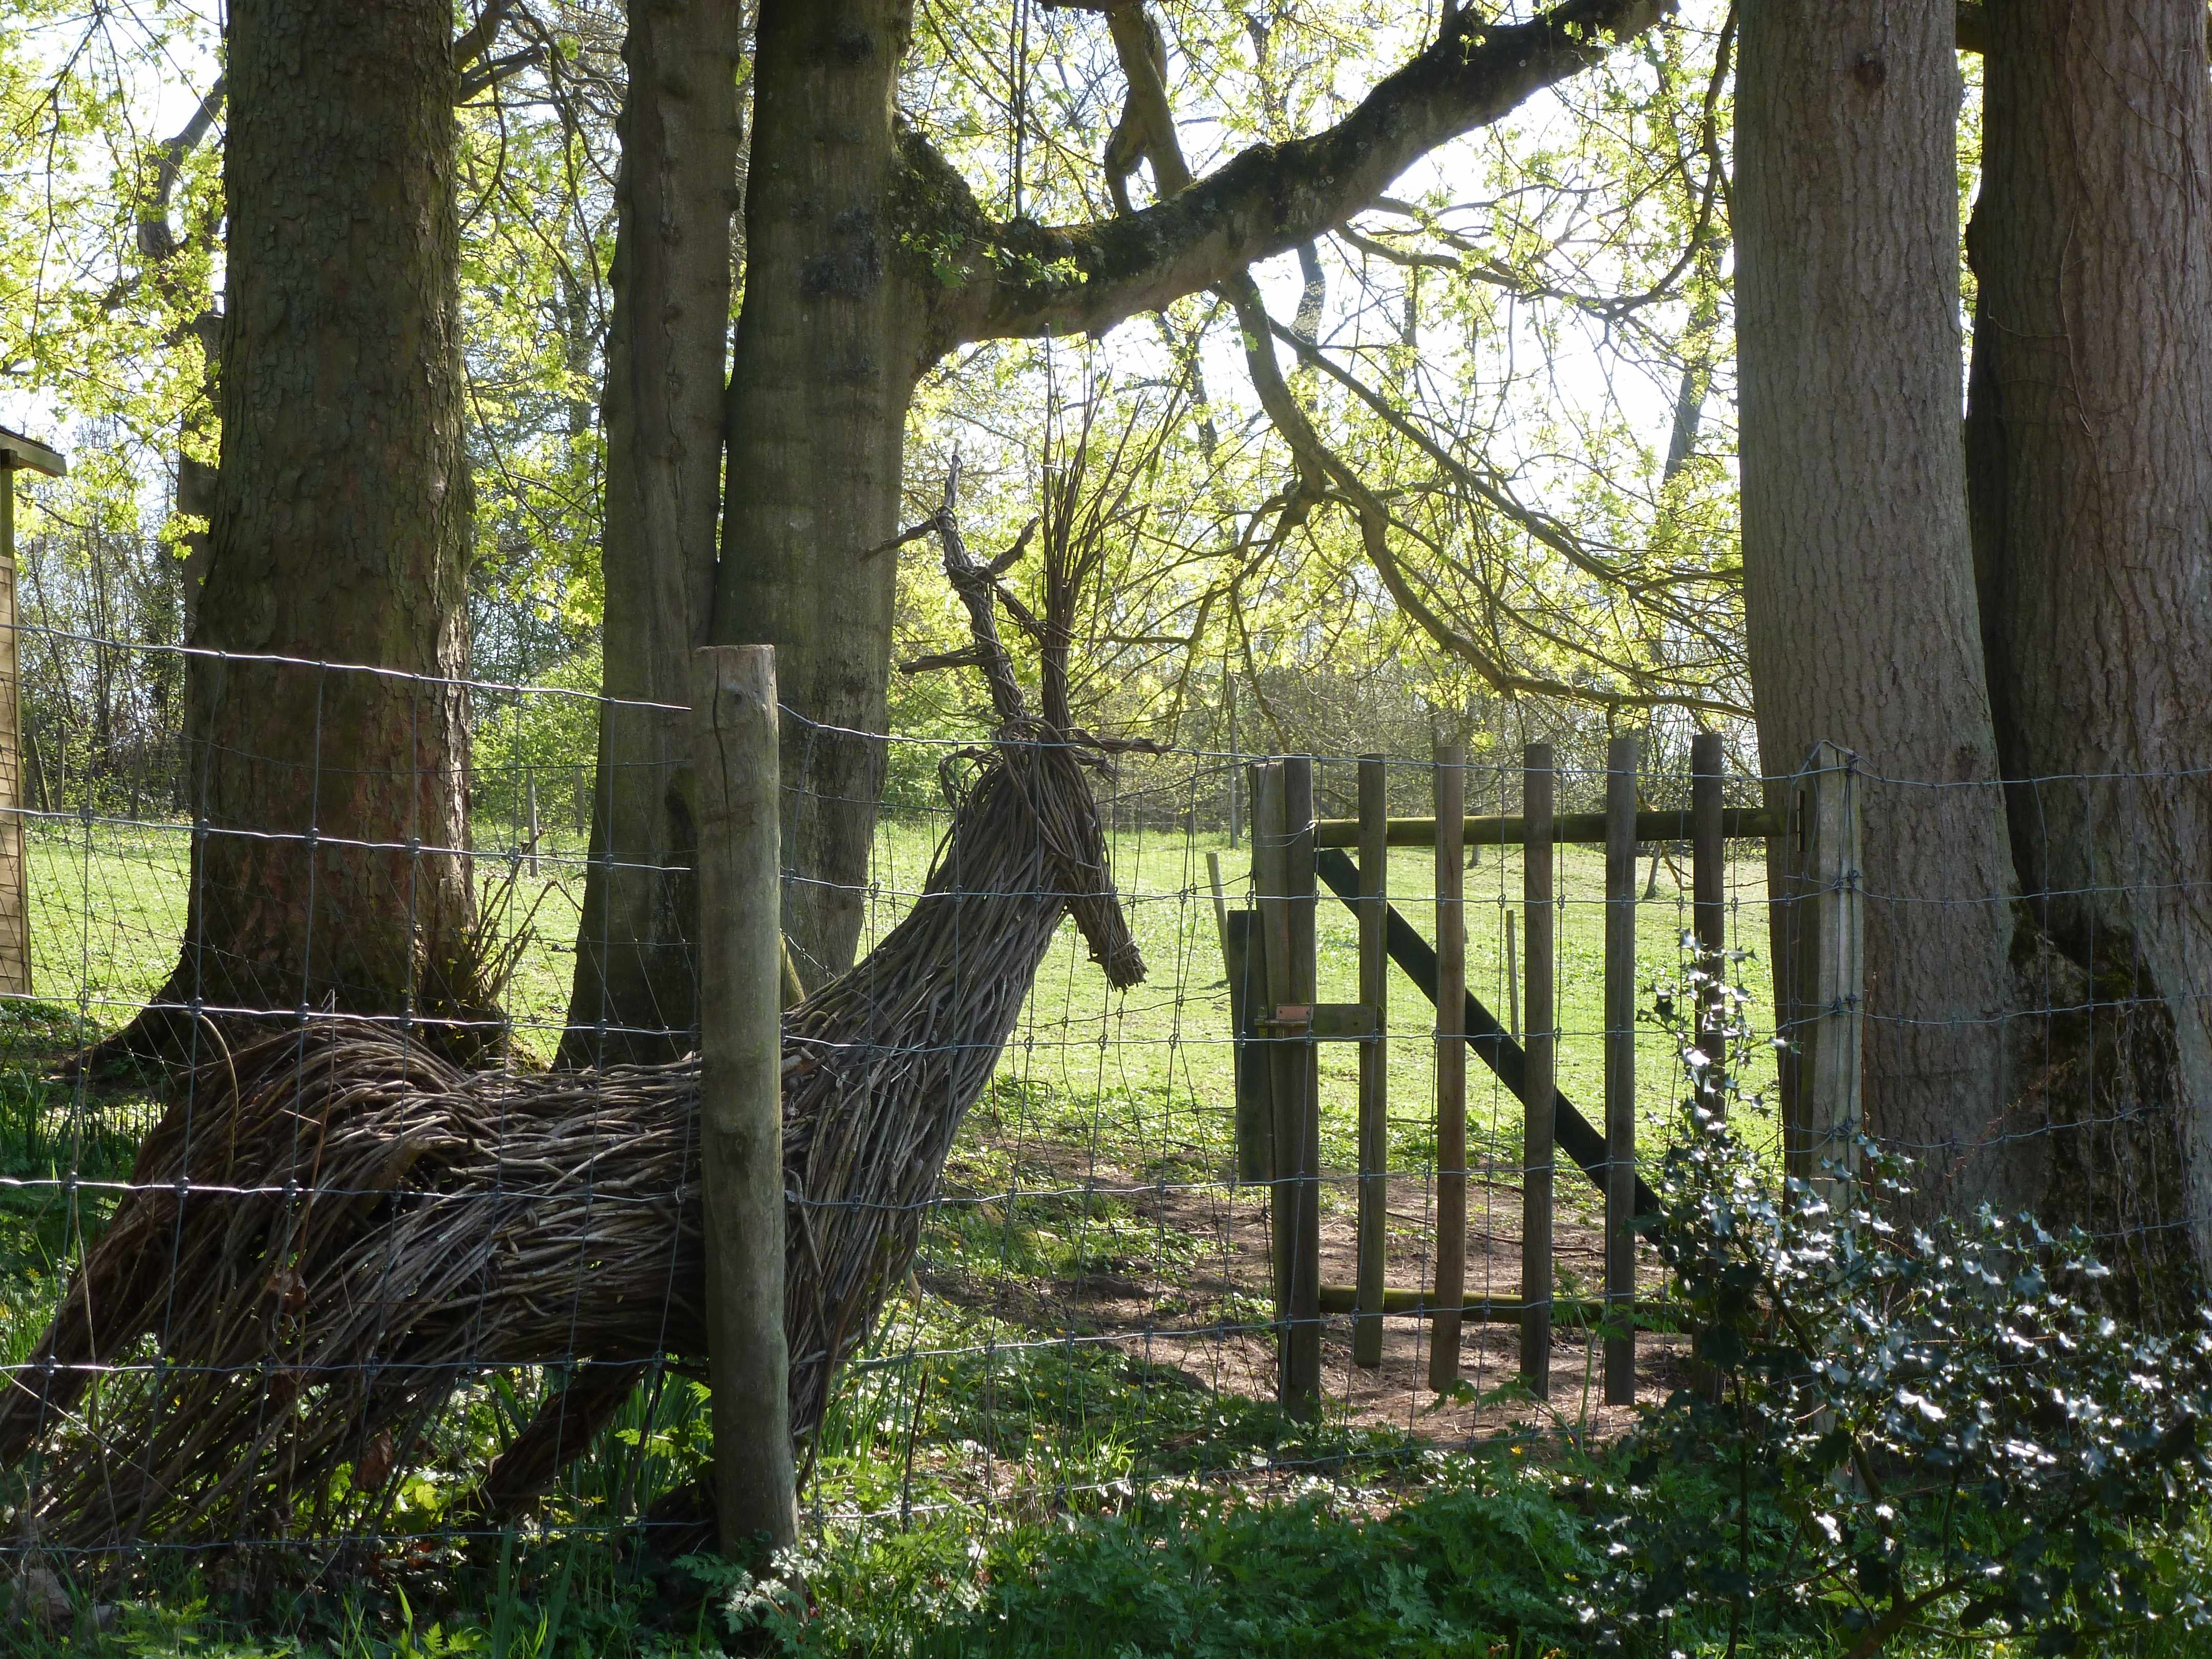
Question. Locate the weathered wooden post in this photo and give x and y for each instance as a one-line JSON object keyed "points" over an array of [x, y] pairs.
{"points": [[740, 953], [1451, 1067], [1244, 952], [536, 831], [1709, 907], [1512, 982], [1620, 762], [1825, 1010], [1539, 807], [1297, 1108], [17, 455], [1249, 989], [1374, 1061]]}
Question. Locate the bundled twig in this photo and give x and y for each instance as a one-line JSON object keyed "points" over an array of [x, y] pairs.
{"points": [[336, 1229]]}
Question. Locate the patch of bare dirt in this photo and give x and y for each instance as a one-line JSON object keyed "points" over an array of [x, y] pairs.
{"points": [[1199, 1299]]}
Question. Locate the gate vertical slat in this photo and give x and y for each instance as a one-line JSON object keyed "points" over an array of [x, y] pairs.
{"points": [[1539, 807], [1374, 1063], [1451, 791], [1709, 904], [1621, 759]]}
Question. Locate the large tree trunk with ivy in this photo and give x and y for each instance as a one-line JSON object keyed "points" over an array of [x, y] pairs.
{"points": [[329, 860], [2092, 432], [829, 347], [662, 413], [1858, 573]]}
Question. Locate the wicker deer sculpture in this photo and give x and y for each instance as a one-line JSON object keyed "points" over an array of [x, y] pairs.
{"points": [[334, 1230]]}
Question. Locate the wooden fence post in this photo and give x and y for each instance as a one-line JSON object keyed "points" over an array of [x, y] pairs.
{"points": [[1826, 929], [1245, 952], [1709, 906], [1282, 825], [1621, 760], [740, 956], [1271, 940], [1539, 806], [1297, 1111], [1450, 785], [1373, 1264], [18, 453], [536, 831], [1512, 980]]}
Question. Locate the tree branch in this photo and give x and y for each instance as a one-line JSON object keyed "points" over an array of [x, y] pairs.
{"points": [[1315, 458], [1027, 280], [156, 240], [493, 70], [476, 40], [1491, 490]]}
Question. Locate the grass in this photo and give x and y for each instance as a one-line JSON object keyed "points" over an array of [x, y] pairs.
{"points": [[1003, 1471]]}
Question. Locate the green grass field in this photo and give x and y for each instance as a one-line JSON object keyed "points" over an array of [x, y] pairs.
{"points": [[1083, 1329], [108, 906]]}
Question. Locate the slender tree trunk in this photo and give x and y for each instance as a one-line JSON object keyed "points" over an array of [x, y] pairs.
{"points": [[159, 245], [1858, 575], [828, 348], [2093, 440], [663, 411], [340, 526]]}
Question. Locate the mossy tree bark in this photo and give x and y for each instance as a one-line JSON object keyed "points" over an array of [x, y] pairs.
{"points": [[2091, 428], [662, 414], [330, 866], [828, 348], [1858, 577]]}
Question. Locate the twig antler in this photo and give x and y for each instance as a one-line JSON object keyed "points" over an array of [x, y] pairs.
{"points": [[981, 592]]}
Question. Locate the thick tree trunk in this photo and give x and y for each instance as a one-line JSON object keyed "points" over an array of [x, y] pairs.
{"points": [[1858, 577], [663, 411], [828, 348], [2093, 435], [332, 868]]}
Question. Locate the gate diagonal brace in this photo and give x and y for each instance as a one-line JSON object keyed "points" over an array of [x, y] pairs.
{"points": [[1416, 959]]}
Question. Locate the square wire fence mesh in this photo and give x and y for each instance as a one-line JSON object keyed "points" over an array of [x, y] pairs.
{"points": [[372, 1276]]}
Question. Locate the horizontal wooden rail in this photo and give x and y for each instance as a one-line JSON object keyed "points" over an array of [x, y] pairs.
{"points": [[1737, 824], [1579, 1313]]}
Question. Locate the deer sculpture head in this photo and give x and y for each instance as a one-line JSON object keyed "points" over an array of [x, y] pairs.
{"points": [[1043, 751]]}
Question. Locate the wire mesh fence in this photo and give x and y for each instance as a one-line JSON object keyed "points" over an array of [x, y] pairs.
{"points": [[323, 1278]]}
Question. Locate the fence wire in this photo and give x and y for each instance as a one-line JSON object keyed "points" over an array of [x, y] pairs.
{"points": [[1089, 1309]]}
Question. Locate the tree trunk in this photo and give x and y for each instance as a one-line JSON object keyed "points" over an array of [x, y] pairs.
{"points": [[338, 532], [1858, 575], [662, 414], [829, 347], [159, 245], [2095, 439]]}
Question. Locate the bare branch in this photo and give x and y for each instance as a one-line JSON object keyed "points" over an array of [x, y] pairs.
{"points": [[913, 533], [977, 592], [966, 656], [493, 70], [156, 240], [1030, 280], [1375, 522], [476, 40], [1012, 556]]}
